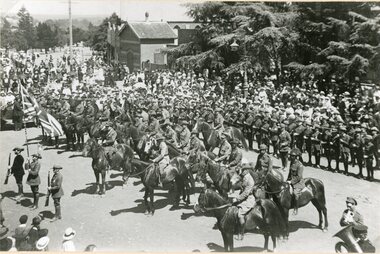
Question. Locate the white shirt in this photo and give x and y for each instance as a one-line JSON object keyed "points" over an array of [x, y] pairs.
{"points": [[68, 245]]}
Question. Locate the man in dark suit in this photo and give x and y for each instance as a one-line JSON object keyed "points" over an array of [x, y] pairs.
{"points": [[17, 170], [56, 191]]}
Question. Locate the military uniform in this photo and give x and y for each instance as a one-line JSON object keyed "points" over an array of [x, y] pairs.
{"points": [[34, 180], [284, 140], [316, 147], [345, 150], [263, 164], [357, 146], [224, 152], [369, 150], [171, 136], [56, 191], [234, 161], [184, 139], [307, 139]]}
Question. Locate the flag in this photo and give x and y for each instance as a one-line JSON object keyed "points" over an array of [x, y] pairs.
{"points": [[31, 109], [50, 124], [30, 105]]}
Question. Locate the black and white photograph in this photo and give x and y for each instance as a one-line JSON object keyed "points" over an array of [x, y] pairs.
{"points": [[189, 126]]}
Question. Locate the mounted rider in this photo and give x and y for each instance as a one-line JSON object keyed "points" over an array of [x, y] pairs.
{"points": [[109, 138], [184, 136], [245, 201], [162, 160], [195, 143], [218, 122], [224, 149], [295, 177], [169, 134], [235, 159]]}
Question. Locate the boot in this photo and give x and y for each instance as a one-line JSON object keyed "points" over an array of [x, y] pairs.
{"points": [[36, 198], [57, 215], [295, 211]]}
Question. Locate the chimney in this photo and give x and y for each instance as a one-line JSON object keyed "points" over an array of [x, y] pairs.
{"points": [[146, 16]]}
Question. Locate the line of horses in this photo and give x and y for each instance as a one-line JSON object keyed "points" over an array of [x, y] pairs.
{"points": [[274, 198]]}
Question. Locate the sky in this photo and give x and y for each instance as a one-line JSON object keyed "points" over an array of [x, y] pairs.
{"points": [[126, 9]]}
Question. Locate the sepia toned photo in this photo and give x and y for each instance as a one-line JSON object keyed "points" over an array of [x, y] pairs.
{"points": [[179, 126]]}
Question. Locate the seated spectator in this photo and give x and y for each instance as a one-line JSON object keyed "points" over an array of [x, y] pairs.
{"points": [[35, 233], [90, 248]]}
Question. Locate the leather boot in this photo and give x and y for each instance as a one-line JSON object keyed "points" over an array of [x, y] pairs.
{"points": [[57, 215], [36, 198]]}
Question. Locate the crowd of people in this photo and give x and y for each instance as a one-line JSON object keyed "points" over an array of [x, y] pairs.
{"points": [[284, 119]]}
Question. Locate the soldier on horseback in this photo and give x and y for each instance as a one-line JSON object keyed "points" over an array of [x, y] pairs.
{"points": [[234, 161], [195, 143], [110, 135], [225, 148], [184, 137], [295, 177], [169, 134], [219, 128], [162, 160], [245, 201]]}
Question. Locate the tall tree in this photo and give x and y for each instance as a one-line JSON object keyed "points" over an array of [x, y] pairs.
{"points": [[26, 29]]}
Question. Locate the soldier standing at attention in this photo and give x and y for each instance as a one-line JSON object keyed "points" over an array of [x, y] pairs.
{"points": [[17, 170], [56, 191], [34, 179], [284, 140]]}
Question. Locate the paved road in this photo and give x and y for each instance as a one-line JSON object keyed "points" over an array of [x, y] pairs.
{"points": [[116, 221]]}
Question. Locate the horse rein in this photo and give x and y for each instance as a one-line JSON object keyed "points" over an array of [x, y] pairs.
{"points": [[208, 209]]}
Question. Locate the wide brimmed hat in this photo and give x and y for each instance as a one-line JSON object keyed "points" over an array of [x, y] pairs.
{"points": [[18, 148], [42, 243], [69, 234], [37, 155]]}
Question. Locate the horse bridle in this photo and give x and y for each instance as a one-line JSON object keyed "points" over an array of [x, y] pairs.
{"points": [[208, 209]]}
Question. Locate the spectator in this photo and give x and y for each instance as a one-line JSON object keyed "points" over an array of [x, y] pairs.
{"points": [[90, 248], [21, 233], [6, 243], [35, 233], [42, 244], [68, 244]]}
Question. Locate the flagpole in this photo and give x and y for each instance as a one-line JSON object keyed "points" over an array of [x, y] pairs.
{"points": [[23, 116]]}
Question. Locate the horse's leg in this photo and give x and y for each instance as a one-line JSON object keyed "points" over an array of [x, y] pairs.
{"points": [[324, 211], [266, 237], [147, 208], [230, 239], [97, 181], [225, 241], [180, 189], [103, 182], [274, 241], [151, 196]]}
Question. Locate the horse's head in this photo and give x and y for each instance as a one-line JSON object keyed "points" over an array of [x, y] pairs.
{"points": [[235, 179], [89, 147], [149, 143], [202, 161], [207, 199]]}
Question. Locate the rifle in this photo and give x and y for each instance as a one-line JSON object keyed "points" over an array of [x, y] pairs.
{"points": [[9, 169], [48, 191]]}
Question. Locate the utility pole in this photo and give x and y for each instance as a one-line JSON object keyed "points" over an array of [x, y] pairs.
{"points": [[71, 33]]}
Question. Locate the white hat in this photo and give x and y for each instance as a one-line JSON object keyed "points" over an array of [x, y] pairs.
{"points": [[42, 243], [69, 234]]}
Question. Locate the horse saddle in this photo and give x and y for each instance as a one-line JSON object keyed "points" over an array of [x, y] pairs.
{"points": [[114, 157]]}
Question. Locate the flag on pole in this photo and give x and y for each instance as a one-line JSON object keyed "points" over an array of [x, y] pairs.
{"points": [[31, 109]]}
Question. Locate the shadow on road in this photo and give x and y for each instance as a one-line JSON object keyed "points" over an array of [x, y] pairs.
{"points": [[213, 247], [112, 176], [140, 208], [91, 189], [47, 214], [76, 155], [185, 216], [297, 224]]}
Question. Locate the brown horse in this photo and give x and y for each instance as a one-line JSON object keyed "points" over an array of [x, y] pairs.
{"points": [[99, 162], [265, 215], [115, 158], [176, 172], [273, 184], [218, 174], [210, 137]]}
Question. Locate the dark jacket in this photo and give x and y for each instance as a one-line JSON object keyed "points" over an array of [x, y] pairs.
{"points": [[17, 167]]}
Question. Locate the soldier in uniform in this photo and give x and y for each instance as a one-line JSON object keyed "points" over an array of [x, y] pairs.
{"points": [[357, 146], [218, 123], [376, 143], [110, 135], [195, 143], [360, 232], [316, 145], [345, 148], [273, 134], [307, 138], [351, 216], [248, 125], [245, 201], [17, 114], [56, 191], [170, 134], [369, 150], [298, 135], [256, 129], [295, 177], [284, 140], [17, 170], [154, 124], [264, 165], [162, 160], [34, 179], [224, 149], [184, 137], [234, 161]]}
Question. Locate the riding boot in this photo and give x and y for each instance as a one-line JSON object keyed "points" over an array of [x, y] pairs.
{"points": [[295, 211], [56, 142], [35, 203]]}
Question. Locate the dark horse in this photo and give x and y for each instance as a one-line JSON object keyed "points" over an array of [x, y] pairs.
{"points": [[210, 138], [99, 162], [176, 171], [218, 174], [282, 196], [265, 215], [115, 158]]}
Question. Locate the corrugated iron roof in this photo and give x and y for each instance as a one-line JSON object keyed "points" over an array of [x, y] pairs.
{"points": [[152, 30]]}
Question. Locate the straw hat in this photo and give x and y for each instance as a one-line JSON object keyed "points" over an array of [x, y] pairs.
{"points": [[69, 234]]}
